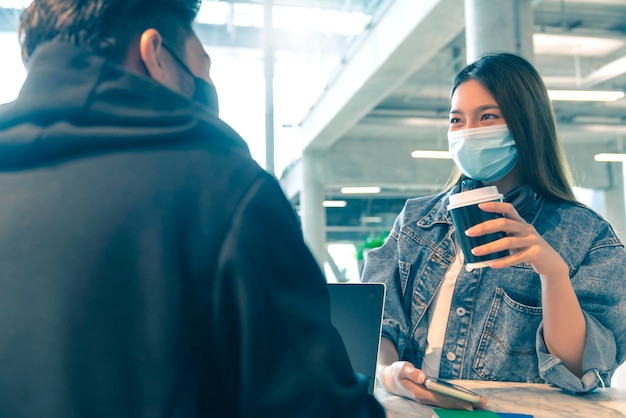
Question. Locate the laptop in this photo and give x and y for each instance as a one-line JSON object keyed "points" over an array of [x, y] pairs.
{"points": [[356, 311]]}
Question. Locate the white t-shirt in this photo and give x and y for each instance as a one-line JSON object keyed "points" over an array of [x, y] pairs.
{"points": [[438, 314]]}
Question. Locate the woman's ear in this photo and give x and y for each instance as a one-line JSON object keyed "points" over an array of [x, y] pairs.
{"points": [[152, 54]]}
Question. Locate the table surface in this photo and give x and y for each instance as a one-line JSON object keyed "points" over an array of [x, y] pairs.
{"points": [[538, 400]]}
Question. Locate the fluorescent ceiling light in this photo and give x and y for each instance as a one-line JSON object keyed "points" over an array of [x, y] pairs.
{"points": [[436, 155], [360, 190], [334, 203], [438, 122], [371, 219], [607, 2], [610, 157], [608, 71], [583, 46], [585, 95]]}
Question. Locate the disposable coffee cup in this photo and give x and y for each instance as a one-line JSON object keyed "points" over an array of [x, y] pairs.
{"points": [[463, 208]]}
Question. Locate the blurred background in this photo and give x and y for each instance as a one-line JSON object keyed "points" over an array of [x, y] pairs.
{"points": [[344, 100]]}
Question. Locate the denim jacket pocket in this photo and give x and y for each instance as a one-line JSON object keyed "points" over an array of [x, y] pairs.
{"points": [[506, 350]]}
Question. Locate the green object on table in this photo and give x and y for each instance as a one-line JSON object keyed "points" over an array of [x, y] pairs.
{"points": [[456, 413]]}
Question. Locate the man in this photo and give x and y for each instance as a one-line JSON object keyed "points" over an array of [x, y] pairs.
{"points": [[148, 267]]}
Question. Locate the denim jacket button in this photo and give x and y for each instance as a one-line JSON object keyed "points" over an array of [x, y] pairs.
{"points": [[460, 311], [451, 356]]}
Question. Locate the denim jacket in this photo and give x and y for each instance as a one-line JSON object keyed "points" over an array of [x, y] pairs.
{"points": [[495, 327]]}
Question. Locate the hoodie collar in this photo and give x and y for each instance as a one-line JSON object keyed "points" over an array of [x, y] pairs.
{"points": [[74, 101]]}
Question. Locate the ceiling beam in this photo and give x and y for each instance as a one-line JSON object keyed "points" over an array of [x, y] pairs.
{"points": [[406, 37]]}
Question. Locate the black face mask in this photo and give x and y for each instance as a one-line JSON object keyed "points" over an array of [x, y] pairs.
{"points": [[204, 92]]}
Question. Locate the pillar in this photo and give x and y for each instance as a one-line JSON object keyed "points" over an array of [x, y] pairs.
{"points": [[498, 26], [614, 205], [268, 60], [312, 213]]}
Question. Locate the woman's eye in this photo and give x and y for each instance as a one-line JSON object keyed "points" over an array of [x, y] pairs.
{"points": [[454, 120], [489, 116]]}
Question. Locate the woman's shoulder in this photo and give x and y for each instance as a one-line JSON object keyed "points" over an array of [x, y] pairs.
{"points": [[578, 219], [428, 201], [574, 209], [428, 209]]}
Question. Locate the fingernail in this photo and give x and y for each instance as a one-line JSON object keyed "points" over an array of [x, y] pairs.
{"points": [[469, 231]]}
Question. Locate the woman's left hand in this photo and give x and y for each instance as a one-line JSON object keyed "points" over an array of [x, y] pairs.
{"points": [[522, 240]]}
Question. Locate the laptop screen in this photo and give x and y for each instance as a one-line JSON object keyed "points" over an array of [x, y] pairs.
{"points": [[356, 311]]}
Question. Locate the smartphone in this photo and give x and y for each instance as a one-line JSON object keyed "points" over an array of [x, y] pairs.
{"points": [[450, 389]]}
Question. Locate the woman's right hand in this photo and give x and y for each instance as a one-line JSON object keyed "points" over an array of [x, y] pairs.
{"points": [[403, 379]]}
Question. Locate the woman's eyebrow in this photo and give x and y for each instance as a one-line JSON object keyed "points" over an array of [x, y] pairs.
{"points": [[489, 107], [479, 109]]}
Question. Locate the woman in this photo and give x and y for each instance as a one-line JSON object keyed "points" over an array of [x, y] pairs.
{"points": [[552, 311]]}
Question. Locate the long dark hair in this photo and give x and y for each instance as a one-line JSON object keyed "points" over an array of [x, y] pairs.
{"points": [[523, 100], [104, 27]]}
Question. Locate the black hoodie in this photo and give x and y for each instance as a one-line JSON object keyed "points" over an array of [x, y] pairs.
{"points": [[148, 266]]}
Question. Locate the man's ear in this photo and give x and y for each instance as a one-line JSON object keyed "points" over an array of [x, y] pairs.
{"points": [[153, 56]]}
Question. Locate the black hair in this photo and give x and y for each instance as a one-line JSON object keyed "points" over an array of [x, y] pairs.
{"points": [[105, 27], [523, 99]]}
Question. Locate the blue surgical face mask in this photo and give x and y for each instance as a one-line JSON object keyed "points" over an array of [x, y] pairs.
{"points": [[486, 153]]}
